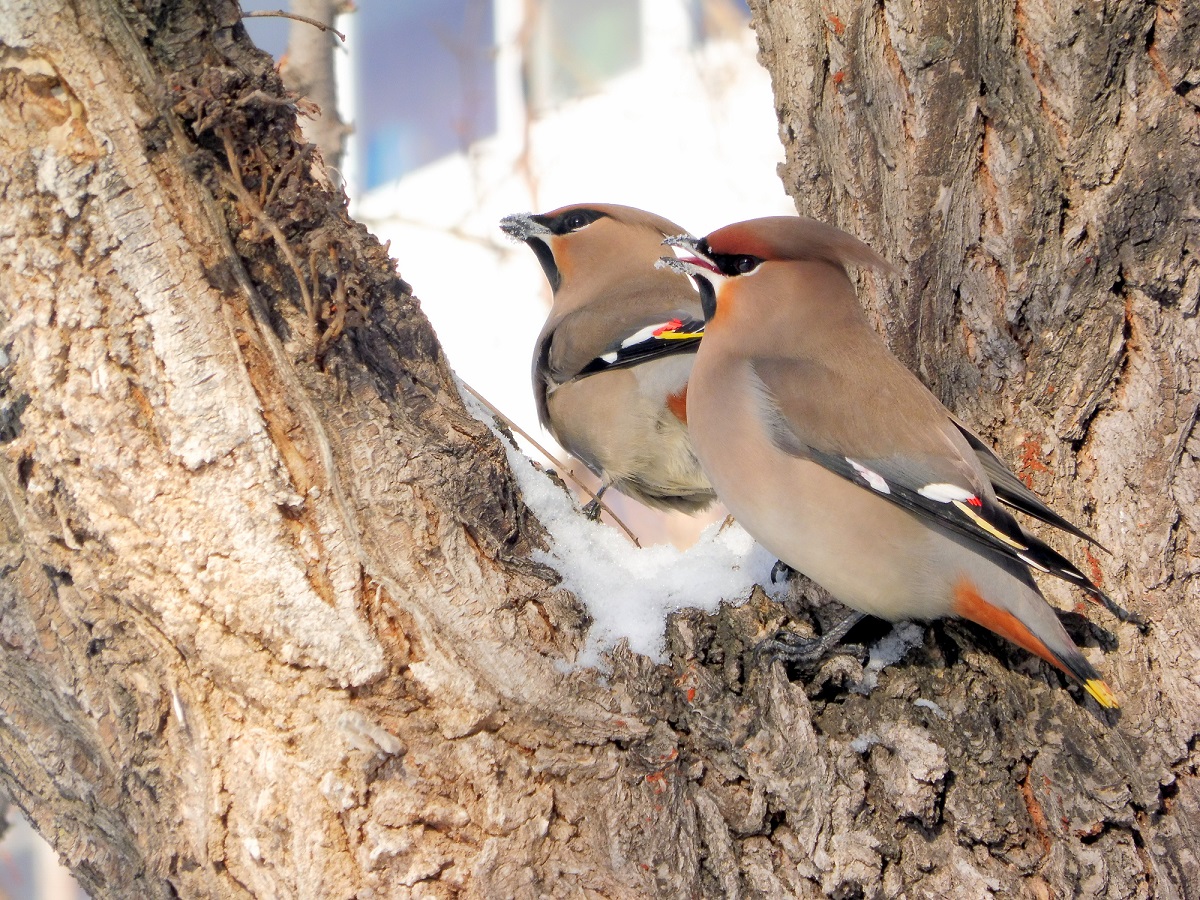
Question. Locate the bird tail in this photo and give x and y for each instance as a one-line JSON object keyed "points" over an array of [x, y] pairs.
{"points": [[1030, 623]]}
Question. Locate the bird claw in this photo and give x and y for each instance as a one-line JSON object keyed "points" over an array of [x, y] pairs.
{"points": [[805, 652], [1122, 613], [790, 647], [592, 510]]}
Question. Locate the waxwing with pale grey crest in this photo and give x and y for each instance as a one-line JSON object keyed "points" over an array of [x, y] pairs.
{"points": [[611, 365], [842, 463]]}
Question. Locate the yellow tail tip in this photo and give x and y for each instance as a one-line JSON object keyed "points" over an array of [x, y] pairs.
{"points": [[1101, 692]]}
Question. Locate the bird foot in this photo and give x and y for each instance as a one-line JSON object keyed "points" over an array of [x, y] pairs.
{"points": [[804, 652], [1122, 613], [592, 509], [790, 647]]}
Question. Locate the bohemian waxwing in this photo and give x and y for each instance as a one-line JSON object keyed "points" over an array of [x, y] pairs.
{"points": [[838, 460], [611, 365]]}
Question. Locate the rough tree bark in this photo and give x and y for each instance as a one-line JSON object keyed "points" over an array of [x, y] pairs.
{"points": [[269, 624]]}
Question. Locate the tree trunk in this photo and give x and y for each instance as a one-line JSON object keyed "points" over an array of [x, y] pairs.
{"points": [[1032, 168], [270, 624], [309, 71]]}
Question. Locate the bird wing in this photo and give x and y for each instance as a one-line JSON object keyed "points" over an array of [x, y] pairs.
{"points": [[899, 442], [541, 377], [676, 335], [582, 343], [1011, 491], [596, 338]]}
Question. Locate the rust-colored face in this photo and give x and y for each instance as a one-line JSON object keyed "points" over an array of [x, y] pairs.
{"points": [[595, 241], [730, 294], [569, 229], [743, 239], [794, 238], [730, 254], [779, 247]]}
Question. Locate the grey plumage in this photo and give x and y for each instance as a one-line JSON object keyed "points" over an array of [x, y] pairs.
{"points": [[626, 419], [838, 460]]}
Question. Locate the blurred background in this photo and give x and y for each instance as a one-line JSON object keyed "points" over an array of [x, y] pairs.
{"points": [[463, 111]]}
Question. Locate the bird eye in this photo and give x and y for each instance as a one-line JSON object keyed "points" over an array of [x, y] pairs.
{"points": [[732, 264], [573, 220]]}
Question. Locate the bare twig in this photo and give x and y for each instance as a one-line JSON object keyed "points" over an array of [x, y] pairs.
{"points": [[264, 169], [280, 14], [289, 168], [551, 458], [259, 97], [496, 245]]}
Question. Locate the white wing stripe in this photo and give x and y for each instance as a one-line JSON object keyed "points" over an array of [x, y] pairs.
{"points": [[945, 493], [874, 479]]}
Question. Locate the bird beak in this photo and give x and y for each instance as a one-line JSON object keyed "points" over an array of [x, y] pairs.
{"points": [[686, 265], [695, 264], [523, 226], [683, 242], [697, 267]]}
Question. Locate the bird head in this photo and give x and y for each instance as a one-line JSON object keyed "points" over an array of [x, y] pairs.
{"points": [[740, 249], [589, 237], [745, 248]]}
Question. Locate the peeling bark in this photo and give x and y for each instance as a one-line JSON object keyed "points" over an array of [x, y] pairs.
{"points": [[269, 624]]}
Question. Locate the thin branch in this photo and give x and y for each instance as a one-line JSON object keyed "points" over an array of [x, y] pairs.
{"points": [[496, 245], [549, 456], [280, 14], [262, 98], [312, 309]]}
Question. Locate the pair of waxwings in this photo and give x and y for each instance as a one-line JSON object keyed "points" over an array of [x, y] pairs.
{"points": [[792, 411]]}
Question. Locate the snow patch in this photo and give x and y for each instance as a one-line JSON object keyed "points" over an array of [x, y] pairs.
{"points": [[932, 707], [888, 650], [864, 742], [629, 591], [253, 850], [361, 734]]}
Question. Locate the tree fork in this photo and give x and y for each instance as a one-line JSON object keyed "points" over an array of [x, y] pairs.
{"points": [[270, 624]]}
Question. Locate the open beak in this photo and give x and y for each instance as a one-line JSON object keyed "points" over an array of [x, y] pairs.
{"points": [[695, 264], [686, 265]]}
